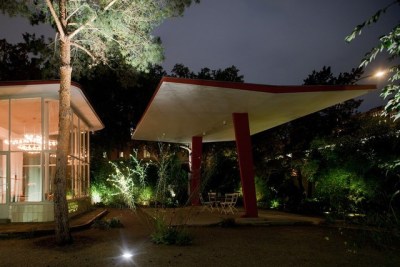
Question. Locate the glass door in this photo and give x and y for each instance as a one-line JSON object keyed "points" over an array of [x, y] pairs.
{"points": [[4, 210]]}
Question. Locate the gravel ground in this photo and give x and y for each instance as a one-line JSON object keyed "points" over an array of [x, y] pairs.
{"points": [[212, 246]]}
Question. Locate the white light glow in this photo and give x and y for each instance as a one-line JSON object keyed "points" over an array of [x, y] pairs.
{"points": [[127, 255], [380, 74]]}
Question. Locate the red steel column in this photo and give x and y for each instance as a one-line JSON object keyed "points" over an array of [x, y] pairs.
{"points": [[243, 147], [195, 169]]}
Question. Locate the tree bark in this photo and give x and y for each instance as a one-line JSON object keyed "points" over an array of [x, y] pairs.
{"points": [[62, 230]]}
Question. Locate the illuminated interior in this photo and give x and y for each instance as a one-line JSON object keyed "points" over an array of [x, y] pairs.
{"points": [[28, 145], [28, 131]]}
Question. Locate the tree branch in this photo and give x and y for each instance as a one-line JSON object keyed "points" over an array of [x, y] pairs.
{"points": [[76, 10], [110, 4], [83, 49], [90, 20], [56, 19]]}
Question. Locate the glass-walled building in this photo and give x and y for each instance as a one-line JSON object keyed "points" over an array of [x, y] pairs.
{"points": [[28, 143]]}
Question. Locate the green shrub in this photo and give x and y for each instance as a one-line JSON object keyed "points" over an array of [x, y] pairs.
{"points": [[343, 190], [170, 235], [275, 204], [146, 195], [262, 191]]}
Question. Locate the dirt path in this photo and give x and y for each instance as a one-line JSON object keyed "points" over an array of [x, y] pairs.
{"points": [[212, 246]]}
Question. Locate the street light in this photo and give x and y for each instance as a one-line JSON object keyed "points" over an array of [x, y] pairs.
{"points": [[379, 74]]}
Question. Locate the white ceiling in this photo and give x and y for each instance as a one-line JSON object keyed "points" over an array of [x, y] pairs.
{"points": [[25, 89], [183, 108]]}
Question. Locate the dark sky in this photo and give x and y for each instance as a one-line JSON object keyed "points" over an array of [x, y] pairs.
{"points": [[271, 42]]}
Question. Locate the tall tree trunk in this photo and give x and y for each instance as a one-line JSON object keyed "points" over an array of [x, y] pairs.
{"points": [[62, 230]]}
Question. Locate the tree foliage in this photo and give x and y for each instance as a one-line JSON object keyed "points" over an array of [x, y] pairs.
{"points": [[27, 60], [389, 43], [103, 29], [230, 74], [364, 159], [280, 153]]}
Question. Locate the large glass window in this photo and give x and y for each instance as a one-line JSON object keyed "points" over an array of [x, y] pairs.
{"points": [[26, 125], [50, 122], [85, 179], [31, 137], [32, 177], [77, 176], [4, 124], [17, 182], [50, 173], [26, 177], [70, 176], [3, 180], [26, 144]]}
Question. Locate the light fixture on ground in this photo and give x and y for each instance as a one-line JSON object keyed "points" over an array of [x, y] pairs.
{"points": [[127, 255]]}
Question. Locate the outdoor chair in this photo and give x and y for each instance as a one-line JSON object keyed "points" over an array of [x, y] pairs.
{"points": [[205, 204], [228, 205], [212, 197]]}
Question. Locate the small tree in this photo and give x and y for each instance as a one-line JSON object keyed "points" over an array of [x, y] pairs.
{"points": [[172, 178], [129, 179]]}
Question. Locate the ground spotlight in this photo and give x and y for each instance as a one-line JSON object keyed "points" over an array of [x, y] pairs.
{"points": [[127, 255]]}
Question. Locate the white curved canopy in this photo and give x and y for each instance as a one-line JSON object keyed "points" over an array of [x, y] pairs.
{"points": [[183, 108]]}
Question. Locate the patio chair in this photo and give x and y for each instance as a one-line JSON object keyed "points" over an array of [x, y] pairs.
{"points": [[205, 204], [229, 204], [212, 197]]}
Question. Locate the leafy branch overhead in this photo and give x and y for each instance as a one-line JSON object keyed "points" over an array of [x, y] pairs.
{"points": [[389, 43], [105, 29]]}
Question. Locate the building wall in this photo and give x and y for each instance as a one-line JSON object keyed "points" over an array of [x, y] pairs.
{"points": [[32, 212], [44, 211]]}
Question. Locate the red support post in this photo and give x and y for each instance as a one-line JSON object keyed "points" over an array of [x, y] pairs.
{"points": [[243, 147], [195, 169]]}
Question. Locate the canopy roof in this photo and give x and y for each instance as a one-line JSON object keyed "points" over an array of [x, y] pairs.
{"points": [[79, 102], [183, 108]]}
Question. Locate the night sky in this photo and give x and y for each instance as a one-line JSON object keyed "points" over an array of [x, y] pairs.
{"points": [[271, 42]]}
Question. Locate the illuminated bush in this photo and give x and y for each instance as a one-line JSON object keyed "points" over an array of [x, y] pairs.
{"points": [[343, 190], [275, 204], [128, 178], [104, 193], [146, 195]]}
